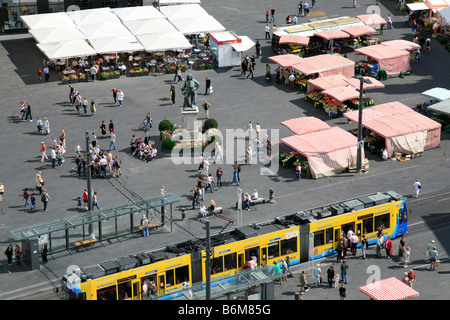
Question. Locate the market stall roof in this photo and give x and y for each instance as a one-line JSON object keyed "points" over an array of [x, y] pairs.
{"points": [[358, 30], [321, 63], [401, 44], [138, 27], [388, 124], [47, 35], [389, 59], [47, 20], [441, 107], [93, 16], [321, 142], [437, 93], [183, 11], [445, 14], [389, 289], [436, 4], [379, 111], [324, 83], [304, 125], [332, 34], [164, 41], [416, 6], [103, 30], [286, 60], [116, 44], [137, 13], [356, 83], [341, 93], [294, 39], [372, 19], [245, 44], [66, 49], [195, 25]]}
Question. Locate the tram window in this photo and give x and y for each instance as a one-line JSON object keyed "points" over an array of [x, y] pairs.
{"points": [[329, 235], [288, 246], [182, 274], [170, 278], [230, 261], [273, 250], [382, 221], [319, 238], [108, 293], [368, 225], [217, 265], [124, 289]]}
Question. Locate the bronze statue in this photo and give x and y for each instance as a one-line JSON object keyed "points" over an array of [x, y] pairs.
{"points": [[189, 91]]}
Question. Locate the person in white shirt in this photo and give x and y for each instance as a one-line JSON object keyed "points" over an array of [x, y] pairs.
{"points": [[120, 96], [112, 141], [417, 187], [203, 211], [255, 195], [218, 152]]}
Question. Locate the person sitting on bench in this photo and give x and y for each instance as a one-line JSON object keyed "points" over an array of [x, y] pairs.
{"points": [[212, 206], [246, 201], [255, 195]]}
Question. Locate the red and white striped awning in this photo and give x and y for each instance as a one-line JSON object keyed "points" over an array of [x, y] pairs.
{"points": [[305, 125], [294, 39], [332, 34], [389, 289]]}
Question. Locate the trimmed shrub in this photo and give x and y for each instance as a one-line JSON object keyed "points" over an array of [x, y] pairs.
{"points": [[165, 125], [167, 144], [209, 124]]}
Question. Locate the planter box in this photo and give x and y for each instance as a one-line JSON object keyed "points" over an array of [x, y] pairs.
{"points": [[65, 81], [83, 80], [73, 80], [146, 73]]}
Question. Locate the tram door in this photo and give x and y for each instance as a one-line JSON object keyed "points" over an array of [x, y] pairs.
{"points": [[337, 236], [136, 290], [161, 284], [264, 256], [359, 230]]}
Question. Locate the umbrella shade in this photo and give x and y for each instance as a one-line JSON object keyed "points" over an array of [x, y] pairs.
{"points": [[164, 41], [389, 289], [294, 39], [138, 13], [195, 25], [138, 27], [67, 49], [246, 44], [93, 16], [341, 93], [103, 30], [332, 34], [47, 20], [286, 60], [437, 93], [116, 44], [48, 35]]}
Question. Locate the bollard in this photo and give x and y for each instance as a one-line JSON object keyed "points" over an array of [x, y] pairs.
{"points": [[296, 296], [271, 195], [183, 213]]}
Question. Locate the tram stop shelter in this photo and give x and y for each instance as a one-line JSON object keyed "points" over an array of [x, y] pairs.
{"points": [[389, 289], [63, 234], [404, 130]]}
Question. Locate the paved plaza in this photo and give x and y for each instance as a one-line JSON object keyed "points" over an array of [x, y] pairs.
{"points": [[236, 100]]}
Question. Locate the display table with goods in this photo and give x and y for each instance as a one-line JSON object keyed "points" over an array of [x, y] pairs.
{"points": [[332, 107], [291, 160]]}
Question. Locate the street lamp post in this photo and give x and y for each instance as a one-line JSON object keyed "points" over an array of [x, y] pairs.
{"points": [[360, 143]]}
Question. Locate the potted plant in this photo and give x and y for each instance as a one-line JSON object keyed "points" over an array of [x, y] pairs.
{"points": [[82, 78]]}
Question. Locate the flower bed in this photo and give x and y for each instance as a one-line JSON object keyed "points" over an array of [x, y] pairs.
{"points": [[110, 75], [137, 72]]}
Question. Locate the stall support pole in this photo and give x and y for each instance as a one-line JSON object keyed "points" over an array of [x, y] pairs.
{"points": [[358, 155]]}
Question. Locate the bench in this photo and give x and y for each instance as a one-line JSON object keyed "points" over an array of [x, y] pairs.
{"points": [[155, 225], [258, 201], [208, 212], [86, 242]]}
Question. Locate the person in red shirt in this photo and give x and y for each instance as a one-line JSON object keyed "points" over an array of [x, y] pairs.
{"points": [[39, 74], [85, 199], [267, 15], [43, 150], [388, 246]]}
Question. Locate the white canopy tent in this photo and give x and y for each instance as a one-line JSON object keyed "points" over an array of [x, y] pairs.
{"points": [[178, 2], [116, 44], [437, 93], [103, 30], [164, 41], [445, 14], [47, 35], [137, 13], [416, 6], [66, 49], [246, 44], [197, 25], [47, 20], [138, 27], [93, 16], [184, 11]]}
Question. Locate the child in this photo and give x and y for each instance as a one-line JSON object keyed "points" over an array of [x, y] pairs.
{"points": [[336, 280], [33, 202], [79, 205]]}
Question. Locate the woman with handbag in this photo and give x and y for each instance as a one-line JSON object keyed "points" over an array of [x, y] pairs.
{"points": [[39, 182]]}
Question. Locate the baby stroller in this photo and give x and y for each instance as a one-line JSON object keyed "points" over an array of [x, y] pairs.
{"points": [[268, 77]]}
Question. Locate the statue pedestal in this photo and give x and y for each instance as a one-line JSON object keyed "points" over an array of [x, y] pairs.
{"points": [[191, 126], [189, 118]]}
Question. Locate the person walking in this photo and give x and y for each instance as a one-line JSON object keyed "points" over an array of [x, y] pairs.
{"points": [[339, 251], [144, 225], [120, 96], [172, 94], [28, 112], [344, 271], [9, 254], [250, 69], [112, 141], [43, 151], [298, 171], [206, 106], [236, 170], [85, 105], [53, 156], [111, 127], [417, 186], [412, 277], [406, 257], [389, 21], [317, 274], [39, 74], [218, 152], [364, 246], [267, 15], [44, 252], [46, 71], [267, 30], [26, 197], [46, 125], [39, 182], [103, 128], [303, 283], [258, 48], [18, 254], [195, 200], [62, 138], [114, 92], [428, 45], [434, 258], [95, 200], [93, 109], [388, 246], [219, 174], [380, 244], [44, 198], [207, 86], [330, 276], [342, 292], [272, 15]]}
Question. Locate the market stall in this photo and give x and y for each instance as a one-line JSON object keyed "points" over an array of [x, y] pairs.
{"points": [[325, 65], [373, 20], [286, 60], [305, 125], [437, 93], [401, 45], [389, 289], [405, 131], [290, 44], [434, 6], [327, 152], [339, 100], [47, 20], [323, 83], [334, 39], [361, 35], [386, 58]]}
